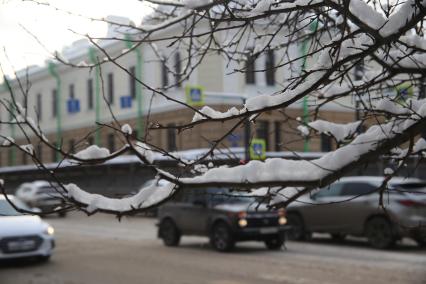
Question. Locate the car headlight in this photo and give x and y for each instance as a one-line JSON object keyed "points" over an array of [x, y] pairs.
{"points": [[242, 223], [49, 231], [282, 220]]}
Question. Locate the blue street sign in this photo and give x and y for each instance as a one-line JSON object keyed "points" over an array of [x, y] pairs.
{"points": [[194, 95], [258, 149], [73, 106], [126, 101]]}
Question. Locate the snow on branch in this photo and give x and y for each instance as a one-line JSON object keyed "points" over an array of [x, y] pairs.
{"points": [[292, 172], [92, 152], [147, 197], [339, 131]]}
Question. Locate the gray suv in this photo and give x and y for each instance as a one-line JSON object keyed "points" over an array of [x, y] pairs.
{"points": [[351, 207], [224, 216]]}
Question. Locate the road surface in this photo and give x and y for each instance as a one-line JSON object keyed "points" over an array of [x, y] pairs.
{"points": [[99, 249]]}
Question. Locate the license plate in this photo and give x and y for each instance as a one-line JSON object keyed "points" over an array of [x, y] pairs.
{"points": [[268, 230], [21, 245]]}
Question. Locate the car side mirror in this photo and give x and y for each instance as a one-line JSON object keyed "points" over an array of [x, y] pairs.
{"points": [[199, 203]]}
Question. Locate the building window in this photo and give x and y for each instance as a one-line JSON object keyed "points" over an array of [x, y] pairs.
{"points": [[71, 90], [39, 107], [262, 132], [111, 142], [54, 102], [164, 74], [325, 143], [250, 69], [178, 69], [277, 126], [110, 82], [171, 138], [270, 68], [90, 94], [132, 82]]}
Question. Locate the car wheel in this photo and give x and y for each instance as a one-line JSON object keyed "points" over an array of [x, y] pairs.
{"points": [[338, 237], [379, 233], [276, 242], [221, 237], [297, 231], [169, 233]]}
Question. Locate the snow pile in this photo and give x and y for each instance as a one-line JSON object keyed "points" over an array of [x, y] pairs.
{"points": [[82, 64], [339, 131], [388, 171], [419, 146], [194, 4], [127, 129], [146, 197], [145, 151], [28, 149], [304, 131], [8, 141], [92, 152], [389, 106], [211, 113], [409, 106], [398, 20], [262, 6]]}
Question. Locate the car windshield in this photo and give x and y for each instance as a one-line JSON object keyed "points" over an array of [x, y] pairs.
{"points": [[7, 210], [222, 195], [411, 187]]}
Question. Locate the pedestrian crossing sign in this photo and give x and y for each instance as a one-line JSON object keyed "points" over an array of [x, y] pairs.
{"points": [[194, 95]]}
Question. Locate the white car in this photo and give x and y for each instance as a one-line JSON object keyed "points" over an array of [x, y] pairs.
{"points": [[41, 194], [23, 235]]}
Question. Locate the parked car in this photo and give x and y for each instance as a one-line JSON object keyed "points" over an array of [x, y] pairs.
{"points": [[41, 194], [23, 235], [351, 207], [223, 216]]}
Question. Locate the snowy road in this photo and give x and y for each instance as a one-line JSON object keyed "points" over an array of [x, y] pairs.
{"points": [[101, 250]]}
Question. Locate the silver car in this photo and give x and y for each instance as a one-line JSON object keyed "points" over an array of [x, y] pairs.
{"points": [[351, 207], [41, 194]]}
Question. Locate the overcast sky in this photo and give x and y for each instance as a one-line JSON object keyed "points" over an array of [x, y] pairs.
{"points": [[52, 27]]}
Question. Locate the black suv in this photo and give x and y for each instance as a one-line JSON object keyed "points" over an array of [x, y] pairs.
{"points": [[222, 215]]}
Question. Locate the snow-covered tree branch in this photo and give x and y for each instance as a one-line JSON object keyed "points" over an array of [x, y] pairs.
{"points": [[364, 57]]}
